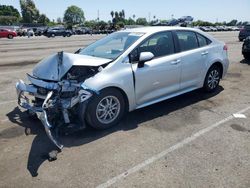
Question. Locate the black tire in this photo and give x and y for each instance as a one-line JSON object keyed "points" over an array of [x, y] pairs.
{"points": [[246, 56], [10, 36], [68, 35], [212, 79], [91, 111]]}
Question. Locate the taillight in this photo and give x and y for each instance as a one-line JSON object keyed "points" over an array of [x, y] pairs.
{"points": [[225, 47]]}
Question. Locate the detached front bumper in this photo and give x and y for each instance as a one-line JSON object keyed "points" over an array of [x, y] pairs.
{"points": [[26, 96], [29, 98]]}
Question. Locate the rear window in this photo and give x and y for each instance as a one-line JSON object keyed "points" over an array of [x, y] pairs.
{"points": [[203, 41]]}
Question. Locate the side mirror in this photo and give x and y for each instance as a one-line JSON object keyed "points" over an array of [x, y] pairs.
{"points": [[144, 57]]}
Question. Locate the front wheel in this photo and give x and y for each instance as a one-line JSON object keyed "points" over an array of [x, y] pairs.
{"points": [[106, 109], [212, 79], [10, 36]]}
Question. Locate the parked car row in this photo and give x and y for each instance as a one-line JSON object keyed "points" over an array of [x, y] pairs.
{"points": [[218, 28], [86, 30], [22, 32]]}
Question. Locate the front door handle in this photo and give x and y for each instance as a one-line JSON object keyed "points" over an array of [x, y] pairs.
{"points": [[204, 53], [175, 62]]}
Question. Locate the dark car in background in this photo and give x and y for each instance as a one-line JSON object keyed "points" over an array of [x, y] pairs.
{"points": [[6, 33], [246, 48], [82, 31], [40, 31], [244, 32], [58, 31]]}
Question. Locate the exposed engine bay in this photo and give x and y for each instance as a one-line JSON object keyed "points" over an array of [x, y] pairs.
{"points": [[57, 94]]}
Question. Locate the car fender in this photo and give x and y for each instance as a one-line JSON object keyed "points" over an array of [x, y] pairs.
{"points": [[118, 75], [209, 64]]}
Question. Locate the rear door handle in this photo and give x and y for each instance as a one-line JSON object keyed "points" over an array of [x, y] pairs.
{"points": [[204, 53], [175, 62]]}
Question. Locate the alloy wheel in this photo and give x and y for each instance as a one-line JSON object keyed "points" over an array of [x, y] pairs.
{"points": [[213, 79], [108, 109]]}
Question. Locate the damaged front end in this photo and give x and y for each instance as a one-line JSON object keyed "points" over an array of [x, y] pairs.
{"points": [[58, 102]]}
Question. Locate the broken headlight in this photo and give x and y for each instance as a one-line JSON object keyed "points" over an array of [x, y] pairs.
{"points": [[81, 73]]}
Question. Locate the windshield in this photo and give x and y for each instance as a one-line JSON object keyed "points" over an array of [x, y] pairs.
{"points": [[111, 46]]}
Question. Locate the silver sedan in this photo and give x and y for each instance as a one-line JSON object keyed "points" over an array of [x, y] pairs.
{"points": [[124, 71]]}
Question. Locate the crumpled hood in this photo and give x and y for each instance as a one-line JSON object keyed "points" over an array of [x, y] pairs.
{"points": [[57, 65]]}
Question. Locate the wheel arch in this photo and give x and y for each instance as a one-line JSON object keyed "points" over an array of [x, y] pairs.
{"points": [[125, 97], [218, 64]]}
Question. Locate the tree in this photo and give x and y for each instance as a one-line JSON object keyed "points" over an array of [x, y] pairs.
{"points": [[6, 10], [130, 21], [8, 15], [120, 15], [120, 24], [101, 25], [202, 23], [232, 23], [116, 15], [73, 15], [123, 14], [91, 23], [134, 16], [141, 21], [30, 13], [43, 19], [112, 14], [59, 20]]}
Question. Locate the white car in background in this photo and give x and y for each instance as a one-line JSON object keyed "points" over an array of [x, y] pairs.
{"points": [[123, 71]]}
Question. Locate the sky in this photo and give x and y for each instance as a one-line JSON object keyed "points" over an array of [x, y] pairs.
{"points": [[207, 10]]}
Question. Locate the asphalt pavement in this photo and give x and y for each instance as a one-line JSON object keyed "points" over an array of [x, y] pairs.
{"points": [[193, 140]]}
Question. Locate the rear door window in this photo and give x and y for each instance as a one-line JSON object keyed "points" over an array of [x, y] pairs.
{"points": [[203, 41], [187, 40]]}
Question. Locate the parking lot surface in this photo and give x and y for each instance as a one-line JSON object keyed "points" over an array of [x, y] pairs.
{"points": [[193, 140]]}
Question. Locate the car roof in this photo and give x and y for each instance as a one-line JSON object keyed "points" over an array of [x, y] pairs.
{"points": [[154, 29]]}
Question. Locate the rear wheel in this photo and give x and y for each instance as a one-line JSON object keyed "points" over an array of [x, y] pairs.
{"points": [[106, 109], [212, 79]]}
